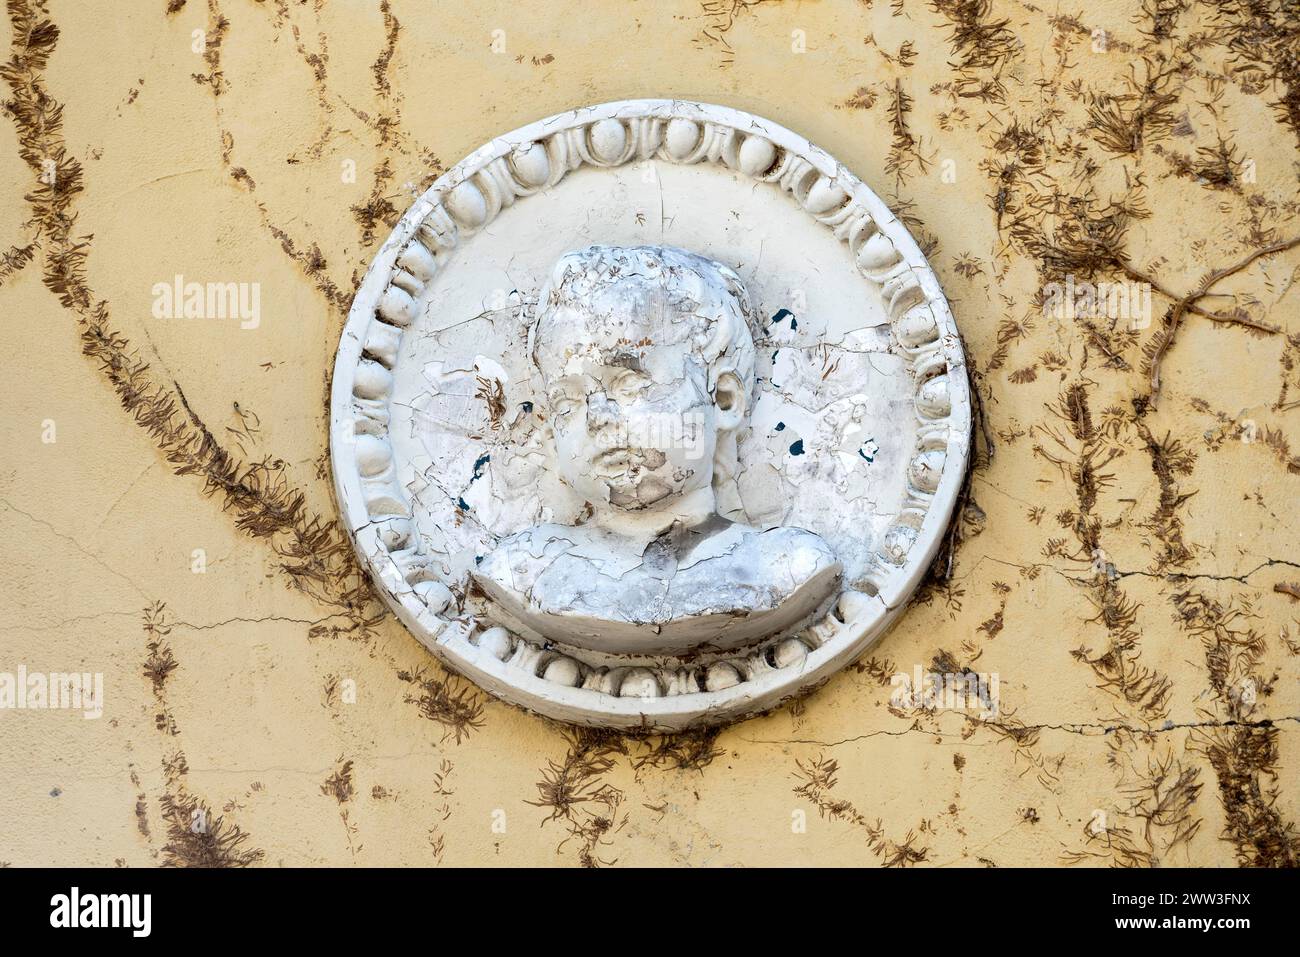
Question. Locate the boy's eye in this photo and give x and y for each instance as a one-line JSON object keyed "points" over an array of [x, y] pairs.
{"points": [[630, 383], [563, 404]]}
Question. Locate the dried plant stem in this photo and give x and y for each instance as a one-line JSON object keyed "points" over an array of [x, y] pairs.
{"points": [[1138, 276], [1186, 303]]}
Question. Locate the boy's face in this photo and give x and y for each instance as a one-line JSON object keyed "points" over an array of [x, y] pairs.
{"points": [[633, 419]]}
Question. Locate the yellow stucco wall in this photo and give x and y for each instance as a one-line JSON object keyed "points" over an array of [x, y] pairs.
{"points": [[1149, 711]]}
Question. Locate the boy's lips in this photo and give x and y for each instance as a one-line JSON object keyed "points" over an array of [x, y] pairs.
{"points": [[615, 456]]}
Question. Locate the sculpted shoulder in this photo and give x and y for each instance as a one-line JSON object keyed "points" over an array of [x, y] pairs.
{"points": [[798, 553], [517, 560]]}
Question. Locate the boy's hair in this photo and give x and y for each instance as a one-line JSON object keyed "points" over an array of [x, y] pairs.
{"points": [[687, 297]]}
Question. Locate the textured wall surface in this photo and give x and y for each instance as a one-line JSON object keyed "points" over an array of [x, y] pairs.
{"points": [[1125, 560]]}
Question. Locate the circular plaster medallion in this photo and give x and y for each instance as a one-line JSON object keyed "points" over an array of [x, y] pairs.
{"points": [[523, 291]]}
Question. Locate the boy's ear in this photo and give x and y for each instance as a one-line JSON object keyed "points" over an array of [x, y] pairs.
{"points": [[729, 398]]}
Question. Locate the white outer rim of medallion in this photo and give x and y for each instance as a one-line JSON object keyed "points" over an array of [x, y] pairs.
{"points": [[859, 619]]}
